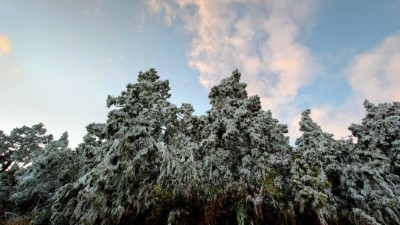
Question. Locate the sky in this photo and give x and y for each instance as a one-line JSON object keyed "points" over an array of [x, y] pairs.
{"points": [[60, 59]]}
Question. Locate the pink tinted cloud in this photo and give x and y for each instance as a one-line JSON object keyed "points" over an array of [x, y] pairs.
{"points": [[260, 38], [336, 119]]}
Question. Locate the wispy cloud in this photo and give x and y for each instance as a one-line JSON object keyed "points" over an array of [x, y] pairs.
{"points": [[157, 6], [5, 45]]}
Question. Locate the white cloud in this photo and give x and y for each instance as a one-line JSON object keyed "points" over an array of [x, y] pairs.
{"points": [[375, 74], [258, 37], [156, 6], [336, 119]]}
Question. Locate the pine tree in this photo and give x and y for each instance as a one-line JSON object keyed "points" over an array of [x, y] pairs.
{"points": [[231, 153], [380, 130], [16, 152], [20, 144], [371, 181], [152, 162], [313, 161], [118, 189], [51, 168], [92, 150]]}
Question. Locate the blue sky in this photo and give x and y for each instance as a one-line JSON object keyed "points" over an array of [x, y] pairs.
{"points": [[60, 59]]}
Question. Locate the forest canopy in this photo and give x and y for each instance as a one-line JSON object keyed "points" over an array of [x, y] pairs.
{"points": [[153, 162]]}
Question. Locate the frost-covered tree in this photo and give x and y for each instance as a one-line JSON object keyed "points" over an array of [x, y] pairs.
{"points": [[369, 189], [92, 150], [155, 162], [179, 184], [370, 179], [235, 156], [152, 162], [314, 163], [7, 183], [118, 189], [380, 130], [236, 128], [349, 183], [51, 168], [20, 144], [180, 160], [16, 151], [258, 150]]}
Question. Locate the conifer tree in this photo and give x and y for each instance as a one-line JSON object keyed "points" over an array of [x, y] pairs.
{"points": [[20, 144], [51, 168], [118, 189], [152, 162], [16, 152], [370, 180], [380, 130], [236, 154], [314, 160], [92, 150]]}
